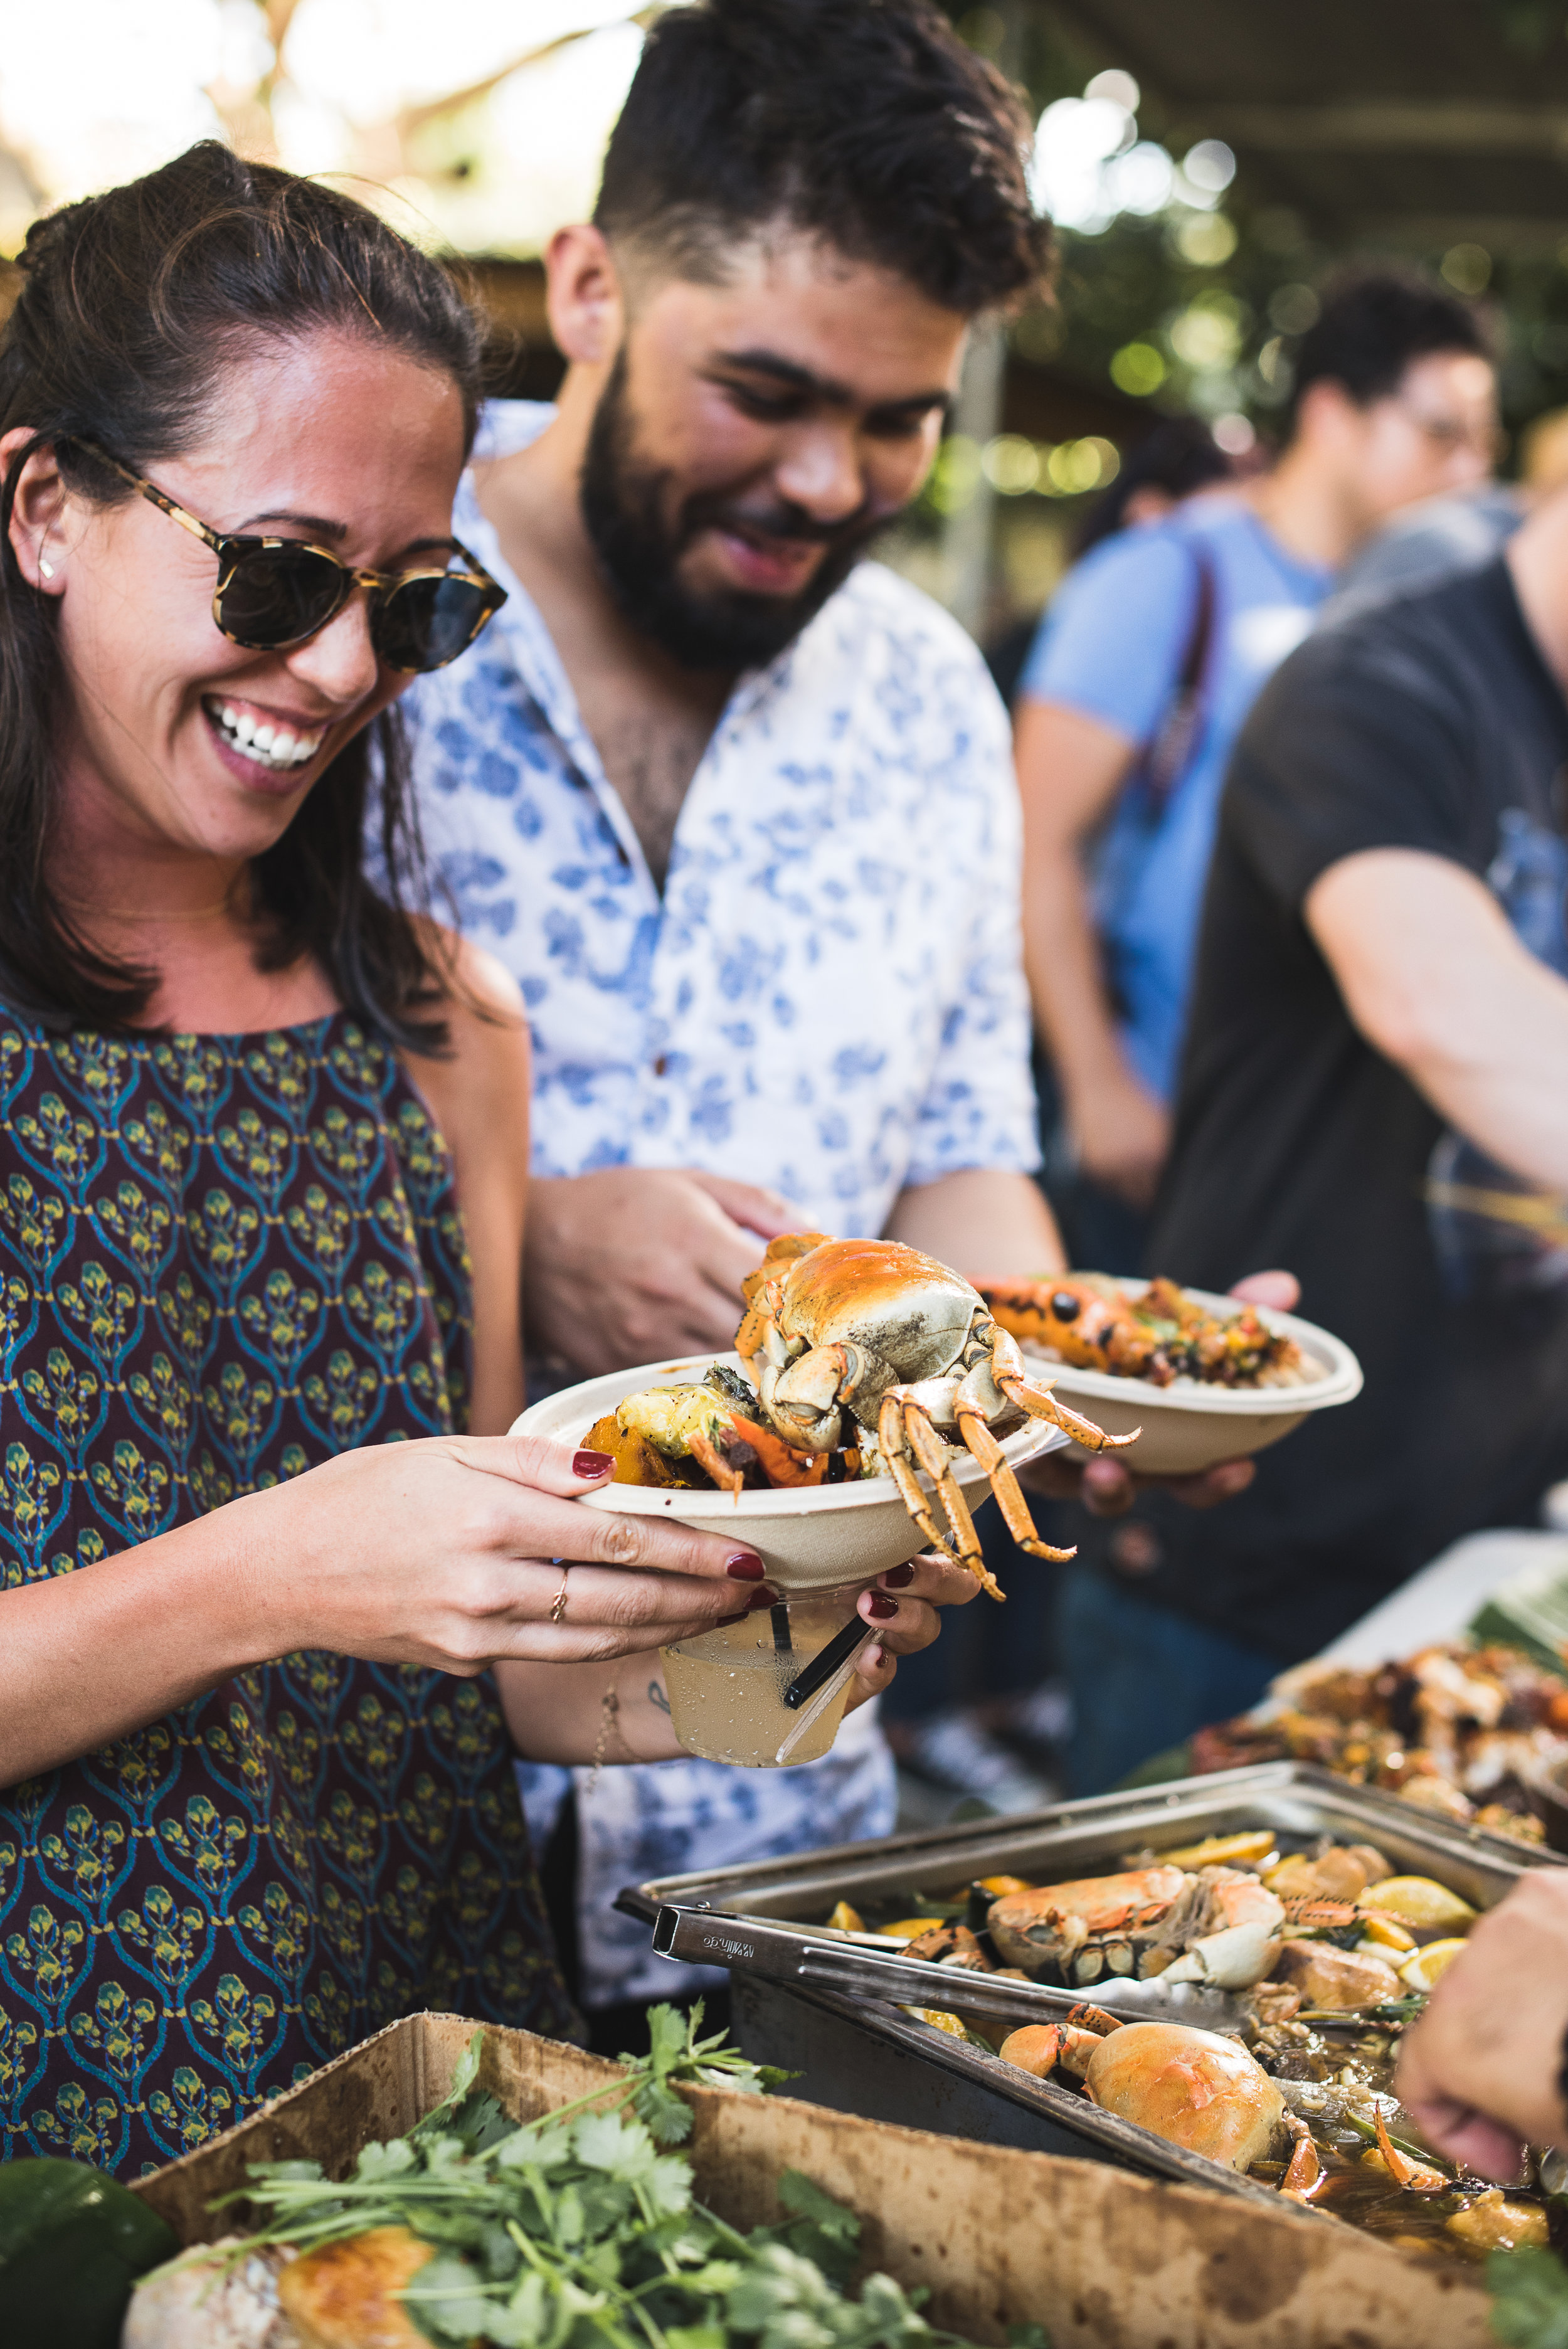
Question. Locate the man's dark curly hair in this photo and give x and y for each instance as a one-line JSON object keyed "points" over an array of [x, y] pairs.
{"points": [[866, 123]]}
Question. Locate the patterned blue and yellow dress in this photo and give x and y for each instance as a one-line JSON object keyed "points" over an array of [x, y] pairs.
{"points": [[223, 1260]]}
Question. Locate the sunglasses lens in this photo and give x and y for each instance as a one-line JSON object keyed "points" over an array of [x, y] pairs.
{"points": [[427, 623], [278, 594]]}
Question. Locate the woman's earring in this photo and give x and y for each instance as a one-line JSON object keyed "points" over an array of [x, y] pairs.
{"points": [[46, 567]]}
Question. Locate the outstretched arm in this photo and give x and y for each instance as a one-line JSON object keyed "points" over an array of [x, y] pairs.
{"points": [[1437, 981]]}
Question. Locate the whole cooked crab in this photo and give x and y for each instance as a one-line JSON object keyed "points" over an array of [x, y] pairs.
{"points": [[907, 1347]]}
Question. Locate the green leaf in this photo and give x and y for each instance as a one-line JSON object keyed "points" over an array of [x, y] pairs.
{"points": [[1530, 2298], [1027, 2336], [663, 2112], [802, 2196], [696, 2337], [463, 2077], [448, 2301]]}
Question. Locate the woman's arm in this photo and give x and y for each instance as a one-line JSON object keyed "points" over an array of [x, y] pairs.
{"points": [[478, 1097], [443, 1554]]}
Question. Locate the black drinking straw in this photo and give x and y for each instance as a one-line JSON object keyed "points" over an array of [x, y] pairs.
{"points": [[779, 1616], [821, 1668]]}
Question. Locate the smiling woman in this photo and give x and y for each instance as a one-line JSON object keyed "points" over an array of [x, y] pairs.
{"points": [[274, 1585]]}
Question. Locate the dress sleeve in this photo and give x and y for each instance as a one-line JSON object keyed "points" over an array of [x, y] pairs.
{"points": [[1112, 643], [979, 1107], [1349, 748]]}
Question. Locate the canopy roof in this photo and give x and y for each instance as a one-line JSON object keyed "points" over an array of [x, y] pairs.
{"points": [[1414, 123]]}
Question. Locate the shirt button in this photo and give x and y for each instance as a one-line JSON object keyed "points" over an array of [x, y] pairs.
{"points": [[661, 1065]]}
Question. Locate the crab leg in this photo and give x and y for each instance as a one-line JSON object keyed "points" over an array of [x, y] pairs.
{"points": [[895, 1450], [937, 1462], [983, 1446], [1007, 1370], [1306, 2168]]}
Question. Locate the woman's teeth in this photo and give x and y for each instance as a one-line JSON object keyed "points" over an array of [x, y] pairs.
{"points": [[269, 746]]}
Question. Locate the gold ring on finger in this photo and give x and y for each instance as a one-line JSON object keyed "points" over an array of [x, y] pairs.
{"points": [[558, 1604]]}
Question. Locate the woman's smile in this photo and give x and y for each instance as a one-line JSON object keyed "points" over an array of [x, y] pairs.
{"points": [[262, 745]]}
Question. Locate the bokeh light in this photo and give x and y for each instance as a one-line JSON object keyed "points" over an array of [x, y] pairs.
{"points": [[490, 136]]}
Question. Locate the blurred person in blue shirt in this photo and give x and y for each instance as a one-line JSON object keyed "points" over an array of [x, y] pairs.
{"points": [[1144, 671]]}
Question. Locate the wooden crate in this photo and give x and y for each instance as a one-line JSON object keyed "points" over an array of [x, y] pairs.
{"points": [[1101, 2259]]}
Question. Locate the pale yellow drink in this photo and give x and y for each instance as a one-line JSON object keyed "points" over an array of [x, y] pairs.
{"points": [[726, 1688]]}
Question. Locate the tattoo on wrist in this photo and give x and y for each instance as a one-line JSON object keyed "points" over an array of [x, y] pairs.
{"points": [[657, 1698]]}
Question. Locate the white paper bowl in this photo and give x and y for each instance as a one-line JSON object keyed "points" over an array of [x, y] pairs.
{"points": [[1188, 1427], [808, 1539]]}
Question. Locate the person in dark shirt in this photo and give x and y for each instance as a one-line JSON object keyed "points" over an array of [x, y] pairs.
{"points": [[1376, 1093]]}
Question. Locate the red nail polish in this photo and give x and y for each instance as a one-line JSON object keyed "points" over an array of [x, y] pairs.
{"points": [[724, 1622], [744, 1566], [896, 1579], [879, 1604], [591, 1463], [763, 1597]]}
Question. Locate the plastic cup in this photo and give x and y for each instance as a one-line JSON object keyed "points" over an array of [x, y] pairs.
{"points": [[726, 1688]]}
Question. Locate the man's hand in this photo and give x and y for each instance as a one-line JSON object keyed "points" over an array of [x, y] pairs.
{"points": [[1479, 2072], [1107, 1487], [1121, 1133], [636, 1262]]}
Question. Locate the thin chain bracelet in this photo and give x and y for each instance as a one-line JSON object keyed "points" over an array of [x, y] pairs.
{"points": [[609, 1726]]}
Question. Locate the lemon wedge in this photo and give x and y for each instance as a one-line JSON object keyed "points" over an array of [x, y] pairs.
{"points": [[1222, 1851], [1386, 1935], [1428, 1965], [910, 1928], [845, 1919], [1420, 1903], [999, 1887]]}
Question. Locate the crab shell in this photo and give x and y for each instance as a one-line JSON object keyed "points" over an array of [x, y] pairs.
{"points": [[1039, 1930], [901, 1318], [1190, 2088]]}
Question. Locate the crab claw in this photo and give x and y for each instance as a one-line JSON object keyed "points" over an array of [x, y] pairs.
{"points": [[804, 1397], [1304, 2169]]}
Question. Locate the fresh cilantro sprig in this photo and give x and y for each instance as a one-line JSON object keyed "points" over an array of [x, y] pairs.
{"points": [[578, 2231]]}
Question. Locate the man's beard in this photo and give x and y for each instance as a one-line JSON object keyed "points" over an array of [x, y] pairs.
{"points": [[639, 551]]}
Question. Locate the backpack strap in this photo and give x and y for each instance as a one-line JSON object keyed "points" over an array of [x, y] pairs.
{"points": [[1169, 749]]}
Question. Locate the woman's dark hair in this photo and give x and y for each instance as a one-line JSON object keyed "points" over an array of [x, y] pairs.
{"points": [[1178, 456], [865, 122], [132, 303]]}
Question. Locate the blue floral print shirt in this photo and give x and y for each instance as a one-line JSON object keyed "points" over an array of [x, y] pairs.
{"points": [[829, 999]]}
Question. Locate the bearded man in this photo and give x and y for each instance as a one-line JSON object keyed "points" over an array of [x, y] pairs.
{"points": [[736, 806]]}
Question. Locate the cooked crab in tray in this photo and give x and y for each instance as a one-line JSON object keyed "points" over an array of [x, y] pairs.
{"points": [[1333, 1954], [866, 1358]]}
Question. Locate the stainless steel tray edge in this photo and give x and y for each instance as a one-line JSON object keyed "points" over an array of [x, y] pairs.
{"points": [[1480, 1866], [1104, 2134]]}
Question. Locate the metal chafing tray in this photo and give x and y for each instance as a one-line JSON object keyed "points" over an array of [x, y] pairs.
{"points": [[869, 2057]]}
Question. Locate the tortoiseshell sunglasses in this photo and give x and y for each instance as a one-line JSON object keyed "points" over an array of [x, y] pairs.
{"points": [[275, 593]]}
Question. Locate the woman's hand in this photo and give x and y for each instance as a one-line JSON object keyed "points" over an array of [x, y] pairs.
{"points": [[904, 1605], [1481, 2072], [446, 1554], [462, 1551]]}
